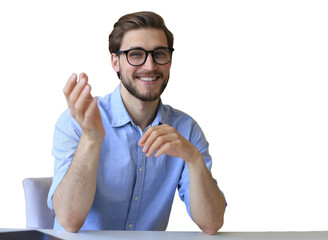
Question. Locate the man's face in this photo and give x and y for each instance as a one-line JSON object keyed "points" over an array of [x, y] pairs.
{"points": [[148, 81]]}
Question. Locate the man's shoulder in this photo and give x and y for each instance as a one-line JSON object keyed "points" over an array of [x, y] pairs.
{"points": [[177, 117], [65, 118], [105, 102], [66, 123]]}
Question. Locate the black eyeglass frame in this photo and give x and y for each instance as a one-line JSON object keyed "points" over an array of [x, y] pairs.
{"points": [[147, 53]]}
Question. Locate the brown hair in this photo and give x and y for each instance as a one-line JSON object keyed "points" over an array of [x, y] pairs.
{"points": [[135, 21]]}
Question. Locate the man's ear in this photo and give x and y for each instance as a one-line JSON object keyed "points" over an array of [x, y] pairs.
{"points": [[115, 62]]}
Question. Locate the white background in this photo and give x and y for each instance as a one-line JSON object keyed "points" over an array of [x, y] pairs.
{"points": [[252, 73]]}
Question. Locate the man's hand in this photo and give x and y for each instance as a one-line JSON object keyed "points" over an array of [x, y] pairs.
{"points": [[83, 106], [167, 140]]}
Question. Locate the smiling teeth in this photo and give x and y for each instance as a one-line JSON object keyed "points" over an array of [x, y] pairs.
{"points": [[147, 79]]}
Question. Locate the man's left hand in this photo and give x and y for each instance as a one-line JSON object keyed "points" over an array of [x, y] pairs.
{"points": [[167, 140]]}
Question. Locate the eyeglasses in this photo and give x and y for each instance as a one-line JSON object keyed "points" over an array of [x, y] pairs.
{"points": [[138, 56]]}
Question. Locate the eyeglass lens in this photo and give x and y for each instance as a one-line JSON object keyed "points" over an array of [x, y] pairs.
{"points": [[138, 56]]}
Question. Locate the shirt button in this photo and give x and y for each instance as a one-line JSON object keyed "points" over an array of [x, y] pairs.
{"points": [[130, 225], [136, 198], [140, 169]]}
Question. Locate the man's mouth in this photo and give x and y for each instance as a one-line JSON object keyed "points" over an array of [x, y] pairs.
{"points": [[148, 79]]}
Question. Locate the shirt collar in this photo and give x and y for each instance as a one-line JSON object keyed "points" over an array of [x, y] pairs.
{"points": [[160, 117], [119, 113], [122, 117]]}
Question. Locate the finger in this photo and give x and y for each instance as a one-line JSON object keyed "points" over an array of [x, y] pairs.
{"points": [[91, 112], [164, 149], [75, 93], [146, 135], [159, 143], [82, 103], [70, 84], [83, 75], [151, 137], [169, 148]]}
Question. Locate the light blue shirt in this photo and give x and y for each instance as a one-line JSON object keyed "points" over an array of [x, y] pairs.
{"points": [[133, 192]]}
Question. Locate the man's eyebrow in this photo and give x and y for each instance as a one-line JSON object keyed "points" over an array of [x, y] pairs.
{"points": [[135, 47], [138, 47]]}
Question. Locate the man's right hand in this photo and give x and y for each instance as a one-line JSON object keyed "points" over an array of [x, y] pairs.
{"points": [[84, 107]]}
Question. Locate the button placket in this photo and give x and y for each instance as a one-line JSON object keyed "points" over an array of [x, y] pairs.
{"points": [[137, 192]]}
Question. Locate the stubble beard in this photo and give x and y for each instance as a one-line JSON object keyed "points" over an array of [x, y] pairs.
{"points": [[150, 97]]}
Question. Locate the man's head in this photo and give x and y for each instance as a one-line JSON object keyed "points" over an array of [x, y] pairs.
{"points": [[134, 21], [141, 50]]}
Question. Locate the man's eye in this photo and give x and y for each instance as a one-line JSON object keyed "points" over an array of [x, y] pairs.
{"points": [[136, 54], [160, 54]]}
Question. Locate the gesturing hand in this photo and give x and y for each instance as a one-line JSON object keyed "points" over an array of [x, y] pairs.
{"points": [[83, 106], [167, 140]]}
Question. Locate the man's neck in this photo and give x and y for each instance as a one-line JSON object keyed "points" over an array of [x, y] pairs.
{"points": [[142, 113]]}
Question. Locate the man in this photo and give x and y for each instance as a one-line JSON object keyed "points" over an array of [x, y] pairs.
{"points": [[119, 159]]}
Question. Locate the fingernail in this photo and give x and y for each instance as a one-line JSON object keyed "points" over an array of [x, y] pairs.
{"points": [[82, 81], [87, 89], [72, 76]]}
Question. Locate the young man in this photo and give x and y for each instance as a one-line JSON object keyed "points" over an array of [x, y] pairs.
{"points": [[120, 158]]}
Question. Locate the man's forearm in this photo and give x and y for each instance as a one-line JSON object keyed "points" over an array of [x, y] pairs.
{"points": [[207, 204], [74, 196]]}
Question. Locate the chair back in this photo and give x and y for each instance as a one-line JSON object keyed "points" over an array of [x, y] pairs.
{"points": [[38, 215]]}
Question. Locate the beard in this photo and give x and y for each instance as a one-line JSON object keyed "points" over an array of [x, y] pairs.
{"points": [[150, 97]]}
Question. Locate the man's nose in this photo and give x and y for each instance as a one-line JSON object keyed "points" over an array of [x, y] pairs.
{"points": [[150, 63]]}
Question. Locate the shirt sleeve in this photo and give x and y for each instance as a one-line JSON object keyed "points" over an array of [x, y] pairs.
{"points": [[197, 138], [66, 138]]}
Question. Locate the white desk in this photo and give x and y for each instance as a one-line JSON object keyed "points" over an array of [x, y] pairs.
{"points": [[152, 235]]}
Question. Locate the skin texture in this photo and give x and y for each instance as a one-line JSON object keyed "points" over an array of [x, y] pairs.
{"points": [[74, 196]]}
